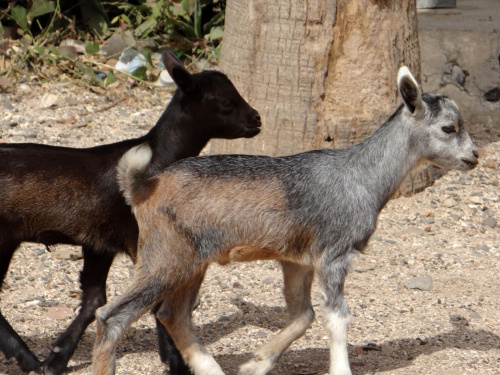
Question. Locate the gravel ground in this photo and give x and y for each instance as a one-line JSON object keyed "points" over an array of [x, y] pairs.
{"points": [[449, 234]]}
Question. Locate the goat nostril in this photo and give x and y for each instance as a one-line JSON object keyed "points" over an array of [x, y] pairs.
{"points": [[476, 154]]}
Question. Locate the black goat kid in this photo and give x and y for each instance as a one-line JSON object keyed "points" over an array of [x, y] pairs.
{"points": [[54, 195]]}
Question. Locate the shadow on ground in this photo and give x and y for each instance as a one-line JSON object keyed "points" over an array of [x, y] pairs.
{"points": [[394, 354]]}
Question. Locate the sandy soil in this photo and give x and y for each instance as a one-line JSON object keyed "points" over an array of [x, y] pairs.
{"points": [[450, 232]]}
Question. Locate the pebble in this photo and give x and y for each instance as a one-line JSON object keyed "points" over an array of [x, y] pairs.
{"points": [[419, 282], [483, 247], [267, 280], [476, 200], [414, 232], [489, 222], [491, 164], [449, 202]]}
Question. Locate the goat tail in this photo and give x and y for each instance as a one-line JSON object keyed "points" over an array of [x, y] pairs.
{"points": [[130, 170]]}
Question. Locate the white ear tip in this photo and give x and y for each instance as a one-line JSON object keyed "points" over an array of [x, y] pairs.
{"points": [[405, 72]]}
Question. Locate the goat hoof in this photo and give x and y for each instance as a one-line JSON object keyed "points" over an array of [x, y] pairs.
{"points": [[253, 367], [51, 368]]}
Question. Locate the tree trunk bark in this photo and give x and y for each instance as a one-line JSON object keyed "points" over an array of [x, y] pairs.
{"points": [[322, 73]]}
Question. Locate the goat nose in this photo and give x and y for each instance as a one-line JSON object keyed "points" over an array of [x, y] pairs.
{"points": [[475, 153]]}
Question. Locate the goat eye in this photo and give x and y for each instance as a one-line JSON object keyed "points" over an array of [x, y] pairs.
{"points": [[449, 129], [225, 102]]}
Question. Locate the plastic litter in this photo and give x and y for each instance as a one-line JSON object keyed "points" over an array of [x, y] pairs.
{"points": [[130, 60], [165, 79]]}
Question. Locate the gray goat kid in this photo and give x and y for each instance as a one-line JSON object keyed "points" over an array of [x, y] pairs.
{"points": [[311, 211]]}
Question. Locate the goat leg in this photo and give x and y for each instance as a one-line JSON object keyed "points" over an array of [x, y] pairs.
{"points": [[93, 283], [12, 345]]}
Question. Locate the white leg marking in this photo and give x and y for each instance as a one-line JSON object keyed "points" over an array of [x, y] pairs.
{"points": [[337, 328], [254, 367], [204, 364]]}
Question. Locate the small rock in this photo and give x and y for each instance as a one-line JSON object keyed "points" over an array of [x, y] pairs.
{"points": [[58, 312], [67, 253], [483, 248], [449, 202], [414, 232], [48, 100], [359, 350], [493, 95], [8, 105], [476, 200], [267, 280], [78, 45], [489, 222], [428, 220], [458, 75], [489, 163], [474, 315], [419, 282]]}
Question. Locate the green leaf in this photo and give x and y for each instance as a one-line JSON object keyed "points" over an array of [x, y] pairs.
{"points": [[41, 7], [145, 27], [216, 33], [215, 19], [147, 54], [110, 78], [197, 19], [140, 73], [217, 52], [85, 69], [185, 6], [126, 19], [20, 16], [91, 48], [40, 50]]}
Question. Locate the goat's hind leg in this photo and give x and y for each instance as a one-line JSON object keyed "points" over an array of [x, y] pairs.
{"points": [[115, 317], [168, 351], [175, 314], [11, 344], [298, 281]]}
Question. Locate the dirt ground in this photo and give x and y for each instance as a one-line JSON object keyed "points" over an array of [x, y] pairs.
{"points": [[449, 233]]}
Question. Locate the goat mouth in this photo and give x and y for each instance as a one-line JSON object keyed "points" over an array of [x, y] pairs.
{"points": [[470, 163]]}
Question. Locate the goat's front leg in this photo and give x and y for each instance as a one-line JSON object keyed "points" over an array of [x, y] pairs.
{"points": [[298, 281], [331, 277], [93, 283]]}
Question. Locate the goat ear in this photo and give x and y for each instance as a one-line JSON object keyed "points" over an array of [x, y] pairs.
{"points": [[179, 73], [409, 90]]}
